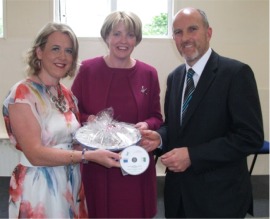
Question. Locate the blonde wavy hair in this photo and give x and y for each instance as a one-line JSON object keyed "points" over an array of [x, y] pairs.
{"points": [[33, 63]]}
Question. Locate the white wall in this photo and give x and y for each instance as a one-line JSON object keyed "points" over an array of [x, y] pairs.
{"points": [[240, 31]]}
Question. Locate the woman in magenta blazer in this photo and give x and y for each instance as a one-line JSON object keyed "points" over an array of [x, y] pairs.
{"points": [[131, 88]]}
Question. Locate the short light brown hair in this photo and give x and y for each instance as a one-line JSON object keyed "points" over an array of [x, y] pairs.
{"points": [[131, 21]]}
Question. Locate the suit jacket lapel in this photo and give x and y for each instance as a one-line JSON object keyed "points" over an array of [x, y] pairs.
{"points": [[178, 90]]}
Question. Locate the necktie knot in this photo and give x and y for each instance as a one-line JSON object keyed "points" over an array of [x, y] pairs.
{"points": [[190, 73]]}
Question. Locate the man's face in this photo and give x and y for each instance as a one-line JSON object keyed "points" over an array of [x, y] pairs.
{"points": [[191, 36]]}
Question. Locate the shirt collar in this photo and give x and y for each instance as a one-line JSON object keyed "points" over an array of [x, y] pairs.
{"points": [[199, 65]]}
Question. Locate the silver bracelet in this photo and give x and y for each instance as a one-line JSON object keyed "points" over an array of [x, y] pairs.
{"points": [[83, 158]]}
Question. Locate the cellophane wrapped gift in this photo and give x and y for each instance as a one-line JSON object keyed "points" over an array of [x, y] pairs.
{"points": [[104, 132]]}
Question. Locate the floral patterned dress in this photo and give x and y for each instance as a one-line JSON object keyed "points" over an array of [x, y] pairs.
{"points": [[41, 191]]}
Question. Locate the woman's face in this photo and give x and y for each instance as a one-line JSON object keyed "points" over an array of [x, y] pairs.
{"points": [[56, 57], [121, 42]]}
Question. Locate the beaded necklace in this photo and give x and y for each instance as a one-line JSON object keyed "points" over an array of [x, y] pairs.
{"points": [[59, 101]]}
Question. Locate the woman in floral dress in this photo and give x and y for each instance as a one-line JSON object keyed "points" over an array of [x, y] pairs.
{"points": [[41, 116]]}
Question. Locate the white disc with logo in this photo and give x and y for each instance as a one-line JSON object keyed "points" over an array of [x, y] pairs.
{"points": [[135, 160]]}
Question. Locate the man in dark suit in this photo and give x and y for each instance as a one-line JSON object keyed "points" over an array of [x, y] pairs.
{"points": [[205, 152]]}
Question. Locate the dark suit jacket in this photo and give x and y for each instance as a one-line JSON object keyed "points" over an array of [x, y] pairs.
{"points": [[223, 125]]}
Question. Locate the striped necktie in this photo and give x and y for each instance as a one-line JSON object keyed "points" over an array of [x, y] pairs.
{"points": [[188, 92]]}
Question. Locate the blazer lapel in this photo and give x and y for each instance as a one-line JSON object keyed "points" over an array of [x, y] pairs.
{"points": [[178, 90]]}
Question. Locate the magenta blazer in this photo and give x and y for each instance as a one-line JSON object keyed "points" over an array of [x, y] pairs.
{"points": [[91, 87]]}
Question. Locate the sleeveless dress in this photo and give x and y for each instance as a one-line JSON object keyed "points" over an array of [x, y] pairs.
{"points": [[41, 191]]}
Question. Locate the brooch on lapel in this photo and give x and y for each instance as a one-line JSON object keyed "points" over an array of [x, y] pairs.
{"points": [[144, 90]]}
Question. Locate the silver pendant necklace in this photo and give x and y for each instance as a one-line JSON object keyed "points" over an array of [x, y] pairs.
{"points": [[59, 101]]}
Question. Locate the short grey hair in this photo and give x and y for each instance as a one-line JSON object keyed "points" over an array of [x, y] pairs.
{"points": [[204, 18]]}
